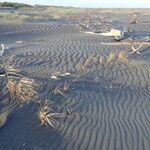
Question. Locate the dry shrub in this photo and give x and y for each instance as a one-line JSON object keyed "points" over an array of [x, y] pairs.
{"points": [[80, 68], [111, 57], [46, 114], [122, 56]]}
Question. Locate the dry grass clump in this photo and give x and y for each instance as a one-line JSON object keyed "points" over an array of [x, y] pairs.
{"points": [[80, 68], [19, 87], [11, 86], [26, 89], [122, 56], [12, 70], [46, 115], [111, 57], [23, 89]]}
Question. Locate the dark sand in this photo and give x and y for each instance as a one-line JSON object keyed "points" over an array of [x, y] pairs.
{"points": [[110, 104]]}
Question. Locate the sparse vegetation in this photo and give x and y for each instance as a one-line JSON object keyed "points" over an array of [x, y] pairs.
{"points": [[122, 56], [20, 89], [47, 115], [111, 57], [11, 4]]}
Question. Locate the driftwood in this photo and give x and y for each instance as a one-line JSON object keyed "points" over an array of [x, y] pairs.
{"points": [[136, 50], [132, 44], [112, 33]]}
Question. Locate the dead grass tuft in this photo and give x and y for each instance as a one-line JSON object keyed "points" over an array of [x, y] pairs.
{"points": [[122, 56], [111, 57], [19, 87], [12, 70], [46, 115], [26, 89], [80, 68]]}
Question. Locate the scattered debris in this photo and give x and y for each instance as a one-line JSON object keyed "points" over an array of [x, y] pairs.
{"points": [[54, 77], [111, 57], [136, 50]]}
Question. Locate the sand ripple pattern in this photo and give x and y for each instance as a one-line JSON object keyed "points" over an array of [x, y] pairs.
{"points": [[111, 104]]}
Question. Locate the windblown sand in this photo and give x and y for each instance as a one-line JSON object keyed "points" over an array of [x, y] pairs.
{"points": [[110, 104]]}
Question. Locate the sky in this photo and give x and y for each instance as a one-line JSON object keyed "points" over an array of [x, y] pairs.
{"points": [[89, 3]]}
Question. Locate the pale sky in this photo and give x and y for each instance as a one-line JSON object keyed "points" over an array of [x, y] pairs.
{"points": [[90, 3]]}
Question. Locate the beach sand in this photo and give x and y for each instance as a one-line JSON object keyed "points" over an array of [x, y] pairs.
{"points": [[110, 103]]}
